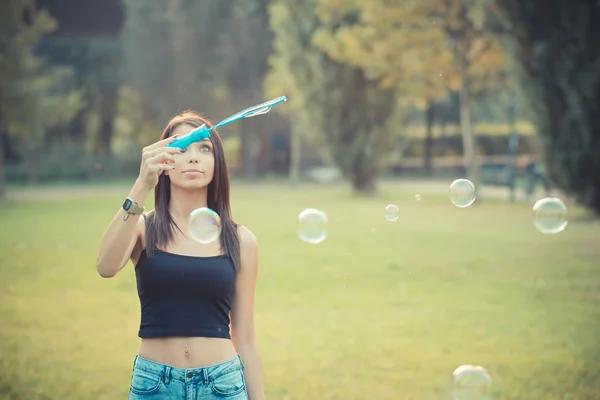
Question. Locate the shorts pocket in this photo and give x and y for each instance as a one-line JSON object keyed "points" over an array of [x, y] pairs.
{"points": [[228, 384], [145, 383]]}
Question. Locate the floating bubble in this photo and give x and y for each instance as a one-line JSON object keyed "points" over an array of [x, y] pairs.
{"points": [[312, 226], [392, 212], [550, 215], [417, 197], [471, 382], [205, 225], [462, 193]]}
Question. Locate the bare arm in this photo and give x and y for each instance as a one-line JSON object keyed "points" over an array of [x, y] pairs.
{"points": [[121, 236], [242, 315]]}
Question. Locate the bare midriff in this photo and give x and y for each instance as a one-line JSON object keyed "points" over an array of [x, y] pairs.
{"points": [[187, 352]]}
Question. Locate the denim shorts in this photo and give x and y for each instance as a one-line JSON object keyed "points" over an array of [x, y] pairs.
{"points": [[151, 380]]}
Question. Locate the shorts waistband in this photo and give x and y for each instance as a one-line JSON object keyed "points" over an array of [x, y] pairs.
{"points": [[203, 374]]}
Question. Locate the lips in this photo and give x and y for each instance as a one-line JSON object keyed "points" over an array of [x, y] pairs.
{"points": [[194, 171]]}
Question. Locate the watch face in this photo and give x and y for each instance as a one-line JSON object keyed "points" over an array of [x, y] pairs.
{"points": [[127, 205]]}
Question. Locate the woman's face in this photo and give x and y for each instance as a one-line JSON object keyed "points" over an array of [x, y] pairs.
{"points": [[195, 167]]}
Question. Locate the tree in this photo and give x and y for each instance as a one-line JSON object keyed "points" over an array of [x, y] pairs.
{"points": [[334, 105], [97, 67], [177, 61], [422, 47], [556, 48], [472, 49], [101, 76], [172, 54], [243, 63], [149, 58], [398, 58], [17, 38], [31, 100]]}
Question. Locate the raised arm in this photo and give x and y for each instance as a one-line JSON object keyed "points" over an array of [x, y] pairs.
{"points": [[121, 236], [125, 229]]}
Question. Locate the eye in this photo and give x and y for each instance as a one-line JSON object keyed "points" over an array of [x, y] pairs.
{"points": [[205, 148]]}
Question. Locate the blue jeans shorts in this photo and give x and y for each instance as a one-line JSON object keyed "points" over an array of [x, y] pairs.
{"points": [[152, 381]]}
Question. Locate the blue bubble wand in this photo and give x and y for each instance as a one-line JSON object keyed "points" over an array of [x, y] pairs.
{"points": [[203, 132]]}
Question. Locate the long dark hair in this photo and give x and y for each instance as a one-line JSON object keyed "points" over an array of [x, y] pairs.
{"points": [[160, 226]]}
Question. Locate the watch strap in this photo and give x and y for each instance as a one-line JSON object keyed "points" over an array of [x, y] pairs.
{"points": [[131, 207]]}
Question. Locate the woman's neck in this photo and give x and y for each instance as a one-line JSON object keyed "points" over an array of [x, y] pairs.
{"points": [[183, 202]]}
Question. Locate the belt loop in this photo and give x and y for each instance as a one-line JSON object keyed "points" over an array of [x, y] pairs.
{"points": [[167, 374], [241, 361], [205, 375]]}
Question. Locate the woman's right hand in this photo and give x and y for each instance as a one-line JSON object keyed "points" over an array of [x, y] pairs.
{"points": [[155, 160]]}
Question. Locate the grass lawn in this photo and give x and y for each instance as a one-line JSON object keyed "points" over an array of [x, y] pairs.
{"points": [[379, 310]]}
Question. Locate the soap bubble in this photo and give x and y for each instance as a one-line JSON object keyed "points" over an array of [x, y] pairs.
{"points": [[550, 215], [205, 225], [462, 193], [417, 197], [312, 226], [392, 212], [471, 382]]}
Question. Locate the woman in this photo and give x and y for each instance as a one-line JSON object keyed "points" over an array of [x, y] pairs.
{"points": [[190, 293]]}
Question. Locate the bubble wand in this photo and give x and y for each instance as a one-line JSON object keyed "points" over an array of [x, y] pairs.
{"points": [[202, 132]]}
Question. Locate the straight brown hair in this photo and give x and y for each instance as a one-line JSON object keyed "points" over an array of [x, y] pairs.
{"points": [[160, 226]]}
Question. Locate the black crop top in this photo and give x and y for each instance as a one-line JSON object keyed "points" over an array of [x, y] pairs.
{"points": [[184, 295]]}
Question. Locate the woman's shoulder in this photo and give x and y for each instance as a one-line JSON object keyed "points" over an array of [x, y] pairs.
{"points": [[247, 237], [248, 249]]}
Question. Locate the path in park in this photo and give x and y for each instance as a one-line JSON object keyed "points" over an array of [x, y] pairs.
{"points": [[87, 191]]}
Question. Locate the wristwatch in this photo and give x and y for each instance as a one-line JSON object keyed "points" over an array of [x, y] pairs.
{"points": [[131, 208]]}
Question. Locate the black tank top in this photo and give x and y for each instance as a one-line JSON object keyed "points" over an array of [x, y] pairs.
{"points": [[184, 295]]}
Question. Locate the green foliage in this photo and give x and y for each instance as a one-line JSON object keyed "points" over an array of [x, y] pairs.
{"points": [[148, 56], [131, 126], [171, 54], [39, 104], [177, 61], [21, 26], [21, 79], [558, 69], [82, 165], [422, 48], [32, 97], [243, 51], [97, 73], [334, 105], [416, 46]]}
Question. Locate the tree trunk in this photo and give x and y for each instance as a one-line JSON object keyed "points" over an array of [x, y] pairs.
{"points": [[443, 128], [107, 118], [557, 71], [429, 118], [2, 163], [249, 147], [295, 157], [32, 165], [363, 168], [365, 183], [468, 138], [513, 148]]}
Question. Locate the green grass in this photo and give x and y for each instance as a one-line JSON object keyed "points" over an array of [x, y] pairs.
{"points": [[378, 311]]}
